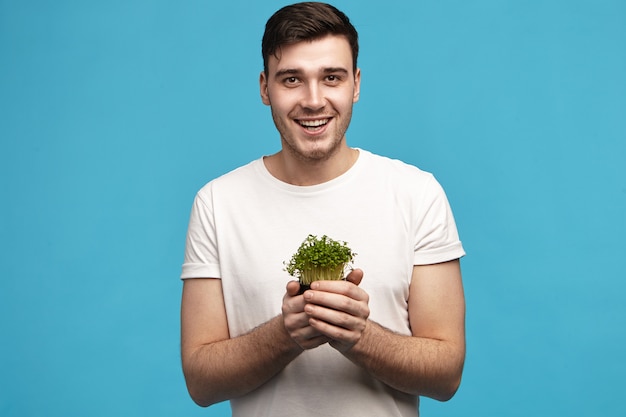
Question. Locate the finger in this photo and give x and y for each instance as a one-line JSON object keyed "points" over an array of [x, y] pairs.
{"points": [[344, 288], [335, 308], [340, 338], [293, 322], [292, 304], [355, 276], [313, 342], [345, 319], [300, 330], [293, 287]]}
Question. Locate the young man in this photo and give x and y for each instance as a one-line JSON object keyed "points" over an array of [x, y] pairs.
{"points": [[366, 346]]}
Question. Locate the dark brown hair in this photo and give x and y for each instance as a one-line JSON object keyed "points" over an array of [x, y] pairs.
{"points": [[306, 21]]}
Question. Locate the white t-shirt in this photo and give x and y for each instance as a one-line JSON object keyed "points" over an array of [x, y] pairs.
{"points": [[244, 225]]}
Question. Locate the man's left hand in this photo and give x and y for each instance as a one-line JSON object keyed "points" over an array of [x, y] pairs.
{"points": [[339, 310]]}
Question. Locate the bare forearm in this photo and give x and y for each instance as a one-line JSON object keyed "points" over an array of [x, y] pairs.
{"points": [[414, 365], [229, 368]]}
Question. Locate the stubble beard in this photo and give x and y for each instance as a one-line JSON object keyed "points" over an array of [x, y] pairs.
{"points": [[317, 154]]}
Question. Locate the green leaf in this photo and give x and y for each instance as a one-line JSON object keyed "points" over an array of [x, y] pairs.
{"points": [[320, 259]]}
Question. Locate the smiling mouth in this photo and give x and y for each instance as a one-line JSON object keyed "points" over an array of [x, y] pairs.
{"points": [[313, 125]]}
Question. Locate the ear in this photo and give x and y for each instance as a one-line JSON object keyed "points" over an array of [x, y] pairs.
{"points": [[265, 97], [357, 85]]}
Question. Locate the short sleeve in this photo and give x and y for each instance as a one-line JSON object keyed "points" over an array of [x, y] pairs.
{"points": [[201, 253], [436, 235]]}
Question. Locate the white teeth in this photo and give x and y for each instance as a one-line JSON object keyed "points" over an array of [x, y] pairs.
{"points": [[313, 123]]}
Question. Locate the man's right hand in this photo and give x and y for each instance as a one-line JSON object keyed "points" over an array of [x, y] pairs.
{"points": [[296, 321]]}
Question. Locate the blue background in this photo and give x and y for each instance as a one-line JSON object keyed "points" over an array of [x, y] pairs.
{"points": [[114, 113]]}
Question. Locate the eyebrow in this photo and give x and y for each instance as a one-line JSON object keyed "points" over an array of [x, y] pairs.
{"points": [[287, 71], [294, 71]]}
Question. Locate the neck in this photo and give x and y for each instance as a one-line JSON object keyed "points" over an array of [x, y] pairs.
{"points": [[300, 172]]}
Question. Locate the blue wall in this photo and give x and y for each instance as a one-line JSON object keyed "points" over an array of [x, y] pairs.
{"points": [[113, 113]]}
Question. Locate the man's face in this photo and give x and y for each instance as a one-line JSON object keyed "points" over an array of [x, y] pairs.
{"points": [[311, 88]]}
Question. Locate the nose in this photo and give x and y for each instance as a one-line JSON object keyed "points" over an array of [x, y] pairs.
{"points": [[314, 97]]}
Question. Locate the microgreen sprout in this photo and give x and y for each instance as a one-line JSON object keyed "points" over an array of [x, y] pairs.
{"points": [[319, 259]]}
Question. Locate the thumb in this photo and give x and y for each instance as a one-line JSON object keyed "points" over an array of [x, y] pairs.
{"points": [[355, 276], [292, 288]]}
